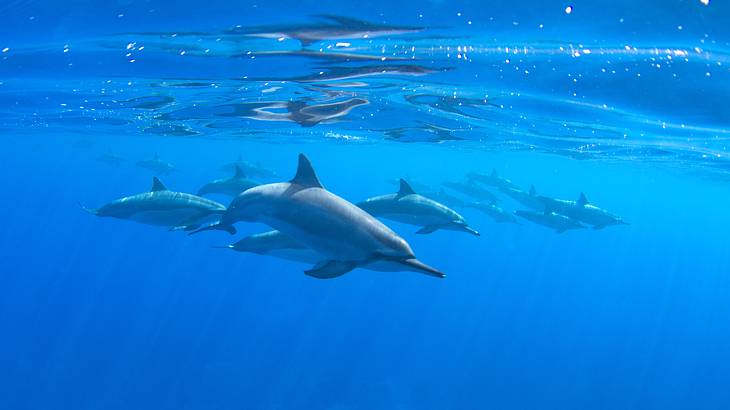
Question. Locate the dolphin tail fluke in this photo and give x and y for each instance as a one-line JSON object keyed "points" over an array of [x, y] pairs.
{"points": [[216, 227], [420, 267]]}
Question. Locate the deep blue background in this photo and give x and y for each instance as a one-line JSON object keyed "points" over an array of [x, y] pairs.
{"points": [[107, 314]]}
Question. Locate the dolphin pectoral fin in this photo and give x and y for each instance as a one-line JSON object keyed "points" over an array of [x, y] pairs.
{"points": [[330, 269], [216, 227], [420, 267], [427, 229]]}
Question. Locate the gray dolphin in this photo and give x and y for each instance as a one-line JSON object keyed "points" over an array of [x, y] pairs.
{"points": [[492, 179], [494, 211], [156, 165], [560, 223], [471, 189], [249, 169], [278, 245], [583, 211], [161, 206], [333, 28], [406, 206], [528, 199], [445, 198], [346, 236], [228, 186]]}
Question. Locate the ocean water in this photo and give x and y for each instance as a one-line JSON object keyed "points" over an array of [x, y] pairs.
{"points": [[624, 101]]}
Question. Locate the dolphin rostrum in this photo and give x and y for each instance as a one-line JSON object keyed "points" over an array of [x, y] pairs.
{"points": [[560, 223], [228, 186], [344, 235], [161, 206], [582, 211], [408, 207]]}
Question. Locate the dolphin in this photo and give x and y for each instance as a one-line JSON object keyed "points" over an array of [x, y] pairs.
{"points": [[156, 165], [560, 223], [418, 186], [583, 211], [228, 186], [278, 245], [528, 199], [492, 179], [344, 235], [471, 189], [406, 206], [445, 198], [333, 28], [249, 169], [494, 211], [163, 207]]}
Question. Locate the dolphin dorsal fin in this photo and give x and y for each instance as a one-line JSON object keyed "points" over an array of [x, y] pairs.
{"points": [[582, 200], [405, 188], [494, 173], [533, 191], [306, 176], [239, 173], [157, 185]]}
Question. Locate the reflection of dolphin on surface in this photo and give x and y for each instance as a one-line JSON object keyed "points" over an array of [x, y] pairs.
{"points": [[448, 103], [296, 111], [560, 223], [228, 186], [332, 28], [161, 206], [406, 206], [582, 211], [346, 236], [346, 73], [156, 165], [494, 211]]}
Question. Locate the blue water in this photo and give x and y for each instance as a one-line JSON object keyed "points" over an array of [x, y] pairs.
{"points": [[625, 101]]}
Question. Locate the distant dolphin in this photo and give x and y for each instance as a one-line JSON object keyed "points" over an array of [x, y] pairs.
{"points": [[156, 165], [346, 236], [406, 206], [492, 179], [161, 206], [494, 211], [583, 211], [278, 245], [335, 28], [560, 223], [228, 186], [528, 199], [445, 198], [471, 189], [417, 186], [249, 169]]}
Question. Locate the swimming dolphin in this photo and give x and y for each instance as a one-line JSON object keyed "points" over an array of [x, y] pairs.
{"points": [[333, 28], [278, 245], [228, 186], [492, 179], [528, 199], [445, 198], [346, 236], [406, 206], [583, 211], [418, 186], [163, 207], [156, 165], [560, 223], [249, 169], [494, 211], [471, 189]]}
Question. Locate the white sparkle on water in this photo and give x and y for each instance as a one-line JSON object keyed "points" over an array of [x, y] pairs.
{"points": [[568, 9]]}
